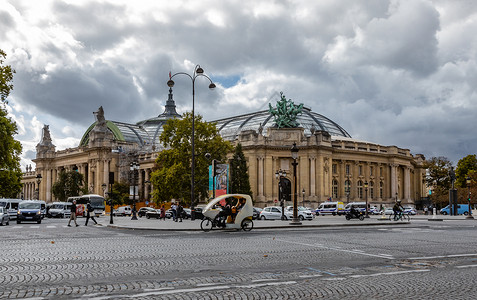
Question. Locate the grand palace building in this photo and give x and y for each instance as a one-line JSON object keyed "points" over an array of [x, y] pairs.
{"points": [[331, 164]]}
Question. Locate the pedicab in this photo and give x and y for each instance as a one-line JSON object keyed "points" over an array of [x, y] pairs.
{"points": [[240, 217]]}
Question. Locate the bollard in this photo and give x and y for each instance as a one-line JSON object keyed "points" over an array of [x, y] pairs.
{"points": [[434, 213]]}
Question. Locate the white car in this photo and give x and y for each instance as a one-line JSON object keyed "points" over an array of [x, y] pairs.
{"points": [[271, 213], [303, 213], [410, 210], [388, 211]]}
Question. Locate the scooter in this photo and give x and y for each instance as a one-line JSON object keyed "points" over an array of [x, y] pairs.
{"points": [[355, 214]]}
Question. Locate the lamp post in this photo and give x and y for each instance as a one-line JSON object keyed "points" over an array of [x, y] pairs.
{"points": [[110, 202], [294, 153], [303, 193], [38, 180], [148, 184], [366, 198], [198, 71], [281, 174], [469, 215], [134, 167]]}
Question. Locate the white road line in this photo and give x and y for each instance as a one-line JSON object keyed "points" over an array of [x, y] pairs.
{"points": [[265, 279], [166, 291], [467, 266], [338, 249], [389, 273], [51, 226], [444, 256]]}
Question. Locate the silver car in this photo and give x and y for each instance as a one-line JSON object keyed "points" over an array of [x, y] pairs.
{"points": [[271, 213], [4, 217]]}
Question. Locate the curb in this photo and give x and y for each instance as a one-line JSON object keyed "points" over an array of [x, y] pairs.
{"points": [[264, 227]]}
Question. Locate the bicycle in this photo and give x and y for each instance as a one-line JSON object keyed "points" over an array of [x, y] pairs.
{"points": [[399, 217]]}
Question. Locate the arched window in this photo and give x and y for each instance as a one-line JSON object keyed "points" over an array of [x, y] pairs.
{"points": [[381, 189], [371, 189], [335, 189], [360, 189], [347, 188]]}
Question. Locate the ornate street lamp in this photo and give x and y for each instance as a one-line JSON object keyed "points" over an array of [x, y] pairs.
{"points": [[366, 198], [294, 153], [469, 215], [38, 180], [198, 71], [134, 167]]}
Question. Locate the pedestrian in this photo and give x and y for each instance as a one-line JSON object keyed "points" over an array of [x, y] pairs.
{"points": [[73, 214], [90, 209], [174, 211], [179, 210], [425, 210], [163, 212]]}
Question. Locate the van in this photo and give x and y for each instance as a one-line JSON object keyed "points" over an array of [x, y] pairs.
{"points": [[10, 206], [123, 211], [59, 210], [30, 210], [330, 208], [462, 209], [361, 206]]}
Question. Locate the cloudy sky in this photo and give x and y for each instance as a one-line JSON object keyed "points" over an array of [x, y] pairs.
{"points": [[391, 72]]}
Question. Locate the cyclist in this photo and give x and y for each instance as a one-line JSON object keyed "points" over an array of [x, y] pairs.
{"points": [[397, 209]]}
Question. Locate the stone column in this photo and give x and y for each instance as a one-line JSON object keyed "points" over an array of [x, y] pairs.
{"points": [[260, 176], [407, 183], [48, 185], [393, 180], [312, 191]]}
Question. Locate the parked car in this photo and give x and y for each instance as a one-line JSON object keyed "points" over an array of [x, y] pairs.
{"points": [[303, 213], [29, 210], [154, 213], [409, 210], [186, 213], [142, 211], [374, 210], [4, 216], [388, 211], [256, 213], [271, 213], [462, 209]]}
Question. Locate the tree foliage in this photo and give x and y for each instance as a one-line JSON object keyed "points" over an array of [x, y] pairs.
{"points": [[240, 180], [10, 149], [172, 179], [437, 179], [465, 167], [69, 184]]}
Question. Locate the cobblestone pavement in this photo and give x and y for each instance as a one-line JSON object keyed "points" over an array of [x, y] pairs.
{"points": [[407, 261]]}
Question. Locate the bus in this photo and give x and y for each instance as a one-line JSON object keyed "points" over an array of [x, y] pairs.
{"points": [[97, 202]]}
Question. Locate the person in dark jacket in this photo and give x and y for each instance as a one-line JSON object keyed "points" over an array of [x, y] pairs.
{"points": [[73, 214], [179, 212], [90, 209]]}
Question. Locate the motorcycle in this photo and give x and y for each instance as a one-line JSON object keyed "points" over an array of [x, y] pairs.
{"points": [[355, 214]]}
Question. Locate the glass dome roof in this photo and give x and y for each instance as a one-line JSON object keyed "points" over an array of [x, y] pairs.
{"points": [[230, 128]]}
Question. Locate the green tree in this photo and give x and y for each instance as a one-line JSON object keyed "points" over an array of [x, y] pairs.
{"points": [[69, 184], [465, 167], [10, 149], [120, 193], [172, 178], [239, 181], [437, 179]]}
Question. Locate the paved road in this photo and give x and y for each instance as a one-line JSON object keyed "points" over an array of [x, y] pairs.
{"points": [[420, 260]]}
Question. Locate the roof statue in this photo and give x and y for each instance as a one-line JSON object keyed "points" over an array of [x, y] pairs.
{"points": [[101, 121], [286, 112]]}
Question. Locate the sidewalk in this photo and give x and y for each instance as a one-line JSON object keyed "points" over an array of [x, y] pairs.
{"points": [[320, 221]]}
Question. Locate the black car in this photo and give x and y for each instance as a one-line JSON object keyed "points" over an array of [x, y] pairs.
{"points": [[143, 210], [256, 213], [155, 213]]}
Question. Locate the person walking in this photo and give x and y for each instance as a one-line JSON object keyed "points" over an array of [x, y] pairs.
{"points": [[179, 210], [174, 211], [90, 209], [73, 214], [163, 212]]}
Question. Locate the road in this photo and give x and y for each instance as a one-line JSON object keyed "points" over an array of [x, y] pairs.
{"points": [[421, 260]]}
